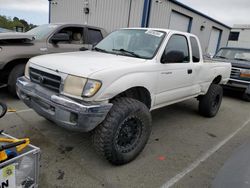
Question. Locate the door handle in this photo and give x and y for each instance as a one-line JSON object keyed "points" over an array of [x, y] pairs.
{"points": [[190, 71]]}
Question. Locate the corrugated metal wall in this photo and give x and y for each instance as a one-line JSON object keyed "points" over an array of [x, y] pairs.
{"points": [[109, 14], [114, 14], [160, 17]]}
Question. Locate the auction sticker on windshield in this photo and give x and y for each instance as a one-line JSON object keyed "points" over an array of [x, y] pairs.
{"points": [[154, 33], [8, 177]]}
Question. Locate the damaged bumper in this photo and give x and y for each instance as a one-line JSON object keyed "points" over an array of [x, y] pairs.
{"points": [[65, 112]]}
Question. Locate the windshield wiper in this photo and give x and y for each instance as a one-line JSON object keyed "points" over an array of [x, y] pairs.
{"points": [[128, 52], [99, 50]]}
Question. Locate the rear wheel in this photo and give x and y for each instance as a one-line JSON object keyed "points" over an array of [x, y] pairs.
{"points": [[125, 131], [210, 103], [15, 73]]}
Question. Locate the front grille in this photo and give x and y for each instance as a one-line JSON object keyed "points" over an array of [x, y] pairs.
{"points": [[235, 73], [45, 79]]}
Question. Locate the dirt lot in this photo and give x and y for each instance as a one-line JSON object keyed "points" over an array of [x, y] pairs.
{"points": [[184, 150]]}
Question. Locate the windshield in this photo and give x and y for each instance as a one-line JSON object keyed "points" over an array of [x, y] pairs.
{"points": [[234, 54], [41, 31], [132, 42]]}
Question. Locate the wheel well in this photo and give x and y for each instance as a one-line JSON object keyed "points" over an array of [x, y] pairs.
{"points": [[139, 93], [9, 66], [217, 80]]}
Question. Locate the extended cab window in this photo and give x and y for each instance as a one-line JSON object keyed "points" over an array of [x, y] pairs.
{"points": [[195, 50], [94, 36], [176, 51]]}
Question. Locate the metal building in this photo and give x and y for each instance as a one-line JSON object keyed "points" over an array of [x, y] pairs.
{"points": [[239, 36], [114, 14]]}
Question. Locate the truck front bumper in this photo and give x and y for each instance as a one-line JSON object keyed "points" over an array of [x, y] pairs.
{"points": [[64, 111], [238, 85]]}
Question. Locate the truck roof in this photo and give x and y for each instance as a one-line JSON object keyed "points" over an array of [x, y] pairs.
{"points": [[160, 29], [74, 24]]}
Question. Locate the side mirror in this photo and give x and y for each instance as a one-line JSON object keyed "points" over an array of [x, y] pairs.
{"points": [[60, 37], [173, 57], [3, 109]]}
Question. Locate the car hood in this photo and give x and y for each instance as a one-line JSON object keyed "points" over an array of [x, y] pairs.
{"points": [[236, 63], [15, 35], [84, 64], [16, 38]]}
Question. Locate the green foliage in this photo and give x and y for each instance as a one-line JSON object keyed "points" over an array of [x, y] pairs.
{"points": [[9, 23]]}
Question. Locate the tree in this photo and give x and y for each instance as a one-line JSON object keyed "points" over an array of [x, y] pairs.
{"points": [[9, 23]]}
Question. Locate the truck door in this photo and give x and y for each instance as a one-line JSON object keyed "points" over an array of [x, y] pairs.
{"points": [[75, 43], [175, 77]]}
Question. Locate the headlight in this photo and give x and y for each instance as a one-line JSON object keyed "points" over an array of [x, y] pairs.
{"points": [[245, 73], [74, 85], [91, 88], [27, 70]]}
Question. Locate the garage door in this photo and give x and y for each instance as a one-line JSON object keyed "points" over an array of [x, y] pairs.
{"points": [[179, 22], [214, 41]]}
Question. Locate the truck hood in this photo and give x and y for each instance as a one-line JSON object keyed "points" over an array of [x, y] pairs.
{"points": [[16, 38], [236, 63], [84, 64], [15, 35]]}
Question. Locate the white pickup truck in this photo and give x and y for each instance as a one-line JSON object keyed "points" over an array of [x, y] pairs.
{"points": [[113, 88]]}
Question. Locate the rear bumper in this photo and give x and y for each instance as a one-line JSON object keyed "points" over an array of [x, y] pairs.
{"points": [[65, 112], [238, 85]]}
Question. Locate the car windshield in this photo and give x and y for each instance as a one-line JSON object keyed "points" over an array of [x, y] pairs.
{"points": [[140, 43], [41, 31], [234, 54]]}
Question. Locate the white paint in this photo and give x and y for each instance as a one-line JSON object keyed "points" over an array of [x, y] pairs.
{"points": [[167, 83], [203, 158]]}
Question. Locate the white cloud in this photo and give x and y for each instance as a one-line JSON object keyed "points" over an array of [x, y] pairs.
{"points": [[25, 5], [227, 11]]}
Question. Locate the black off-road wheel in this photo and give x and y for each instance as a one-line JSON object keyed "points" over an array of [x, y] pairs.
{"points": [[246, 97], [3, 109], [15, 73], [125, 131], [209, 104]]}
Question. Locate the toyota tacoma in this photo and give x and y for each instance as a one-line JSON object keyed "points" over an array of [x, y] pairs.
{"points": [[111, 89]]}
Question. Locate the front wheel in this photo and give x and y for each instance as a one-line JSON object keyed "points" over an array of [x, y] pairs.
{"points": [[246, 97], [15, 73], [125, 131], [210, 103], [3, 109]]}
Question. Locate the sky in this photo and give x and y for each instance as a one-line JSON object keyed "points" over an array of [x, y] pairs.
{"points": [[229, 12], [226, 11], [33, 11]]}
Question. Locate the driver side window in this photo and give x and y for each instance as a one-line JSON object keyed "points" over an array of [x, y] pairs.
{"points": [[75, 35], [177, 50]]}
